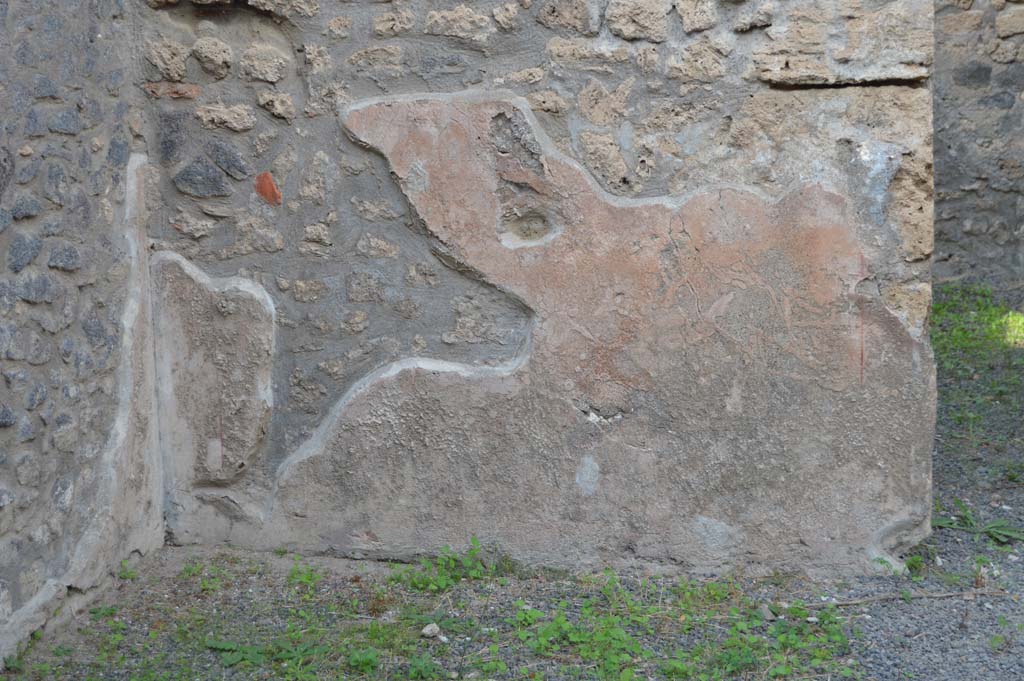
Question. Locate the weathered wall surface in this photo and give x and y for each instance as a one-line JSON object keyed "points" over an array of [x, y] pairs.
{"points": [[79, 486], [979, 145], [600, 282], [635, 280]]}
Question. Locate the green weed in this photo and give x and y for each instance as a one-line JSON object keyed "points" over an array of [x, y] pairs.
{"points": [[600, 636], [999, 530], [288, 652], [492, 664], [797, 644], [445, 571], [915, 565], [304, 577], [191, 569], [232, 653], [422, 667], [102, 612], [127, 573], [364, 661]]}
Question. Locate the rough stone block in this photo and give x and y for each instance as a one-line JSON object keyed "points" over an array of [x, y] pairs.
{"points": [[891, 41], [1010, 22]]}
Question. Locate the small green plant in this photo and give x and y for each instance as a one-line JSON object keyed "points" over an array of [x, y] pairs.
{"points": [[295, 651], [526, 616], [232, 653], [14, 663], [999, 530], [446, 570], [1005, 638], [422, 667], [1013, 472], [983, 567], [887, 565], [601, 637], [210, 584], [127, 573], [102, 612], [42, 670], [191, 569], [304, 577], [363, 660], [292, 652], [492, 664]]}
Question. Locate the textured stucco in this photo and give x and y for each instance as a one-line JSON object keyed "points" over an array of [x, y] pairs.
{"points": [[599, 282], [651, 278]]}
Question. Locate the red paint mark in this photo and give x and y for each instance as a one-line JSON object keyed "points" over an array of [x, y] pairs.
{"points": [[267, 188], [860, 307], [862, 343]]}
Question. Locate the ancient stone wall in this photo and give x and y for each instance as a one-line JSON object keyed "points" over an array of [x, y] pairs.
{"points": [[599, 282], [979, 145], [590, 280], [79, 481]]}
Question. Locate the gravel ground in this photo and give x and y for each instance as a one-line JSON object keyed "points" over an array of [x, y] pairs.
{"points": [[201, 613]]}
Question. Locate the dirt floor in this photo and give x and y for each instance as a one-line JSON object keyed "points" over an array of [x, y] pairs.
{"points": [[953, 613]]}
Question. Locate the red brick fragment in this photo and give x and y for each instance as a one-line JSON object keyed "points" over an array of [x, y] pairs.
{"points": [[267, 188]]}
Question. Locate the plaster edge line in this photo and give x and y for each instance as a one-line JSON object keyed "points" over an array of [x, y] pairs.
{"points": [[479, 96], [126, 370], [219, 284], [224, 285], [316, 442]]}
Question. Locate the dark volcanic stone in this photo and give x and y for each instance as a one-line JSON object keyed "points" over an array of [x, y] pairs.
{"points": [[6, 169], [201, 179], [65, 257], [228, 159], [44, 88], [66, 122], [38, 288], [171, 129], [117, 153], [27, 172], [7, 417], [23, 250], [34, 126], [36, 397], [55, 184], [26, 206]]}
